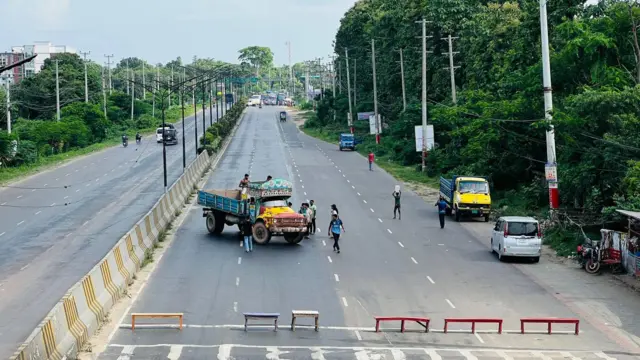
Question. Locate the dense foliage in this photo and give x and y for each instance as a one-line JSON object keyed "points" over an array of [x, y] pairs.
{"points": [[496, 127]]}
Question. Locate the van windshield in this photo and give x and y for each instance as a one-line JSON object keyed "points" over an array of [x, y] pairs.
{"points": [[159, 131], [523, 228]]}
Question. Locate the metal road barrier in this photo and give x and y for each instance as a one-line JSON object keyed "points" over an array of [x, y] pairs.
{"points": [[84, 307]]}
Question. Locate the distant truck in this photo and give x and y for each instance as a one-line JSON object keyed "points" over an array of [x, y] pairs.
{"points": [[347, 141], [268, 212], [466, 196]]}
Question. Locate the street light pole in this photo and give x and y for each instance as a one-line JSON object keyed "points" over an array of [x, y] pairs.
{"points": [[210, 104], [204, 124], [184, 146], [217, 106], [164, 146], [195, 115]]}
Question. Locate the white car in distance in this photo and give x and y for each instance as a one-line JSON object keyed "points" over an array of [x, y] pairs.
{"points": [[255, 100]]}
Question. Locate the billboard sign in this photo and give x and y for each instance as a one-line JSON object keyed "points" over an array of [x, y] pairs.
{"points": [[430, 138]]}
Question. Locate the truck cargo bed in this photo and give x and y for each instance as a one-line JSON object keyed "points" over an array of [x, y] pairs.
{"points": [[227, 201]]}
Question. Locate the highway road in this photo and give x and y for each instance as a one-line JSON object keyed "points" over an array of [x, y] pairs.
{"points": [[387, 267], [56, 226]]}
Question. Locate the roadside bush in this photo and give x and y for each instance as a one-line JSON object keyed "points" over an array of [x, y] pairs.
{"points": [[216, 133], [306, 106]]}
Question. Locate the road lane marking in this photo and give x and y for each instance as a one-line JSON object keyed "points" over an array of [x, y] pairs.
{"points": [[237, 281], [4, 203], [38, 212], [329, 257], [504, 355], [450, 303], [305, 193], [399, 243], [20, 223], [174, 352], [389, 231], [45, 185], [2, 233], [33, 190], [337, 278], [235, 306], [353, 187], [379, 219], [66, 197], [339, 170], [414, 260], [68, 235], [85, 223], [467, 354], [19, 196], [239, 260], [348, 181], [87, 184], [24, 267], [359, 194], [602, 355], [52, 204], [78, 190], [324, 243], [57, 179], [76, 170], [68, 174], [567, 355], [224, 352], [344, 176], [302, 185], [126, 353], [371, 210], [344, 301], [365, 201], [433, 354], [358, 335], [398, 354], [540, 355]]}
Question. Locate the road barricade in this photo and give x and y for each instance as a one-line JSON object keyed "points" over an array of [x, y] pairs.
{"points": [[84, 307], [422, 321], [550, 321], [473, 322]]}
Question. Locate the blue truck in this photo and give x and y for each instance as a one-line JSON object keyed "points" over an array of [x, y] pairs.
{"points": [[347, 141]]}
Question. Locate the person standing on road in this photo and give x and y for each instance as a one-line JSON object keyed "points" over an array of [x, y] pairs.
{"points": [[396, 206], [314, 208], [334, 209], [309, 215], [247, 232], [442, 210], [371, 159], [334, 230]]}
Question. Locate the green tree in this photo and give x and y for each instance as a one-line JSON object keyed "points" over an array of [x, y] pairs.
{"points": [[256, 56]]}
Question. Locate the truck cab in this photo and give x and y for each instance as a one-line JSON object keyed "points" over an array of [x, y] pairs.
{"points": [[466, 196], [347, 141]]}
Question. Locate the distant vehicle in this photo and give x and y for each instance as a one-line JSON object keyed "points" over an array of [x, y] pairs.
{"points": [[517, 236], [170, 135], [347, 141], [255, 100], [283, 116], [466, 196]]}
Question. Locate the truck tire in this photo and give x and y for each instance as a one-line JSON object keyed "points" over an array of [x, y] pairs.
{"points": [[486, 218], [261, 235], [215, 224], [293, 238]]}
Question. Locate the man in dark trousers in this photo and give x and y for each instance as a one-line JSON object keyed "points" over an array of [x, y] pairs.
{"points": [[334, 230], [442, 210], [371, 160], [396, 206]]}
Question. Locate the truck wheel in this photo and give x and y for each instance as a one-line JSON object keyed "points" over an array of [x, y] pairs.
{"points": [[215, 225], [293, 238], [261, 235], [486, 218]]}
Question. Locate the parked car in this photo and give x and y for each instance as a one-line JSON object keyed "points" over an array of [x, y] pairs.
{"points": [[517, 236]]}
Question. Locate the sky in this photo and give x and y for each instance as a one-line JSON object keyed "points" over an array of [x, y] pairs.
{"points": [[161, 30]]}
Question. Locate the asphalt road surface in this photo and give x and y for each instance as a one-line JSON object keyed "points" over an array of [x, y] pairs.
{"points": [[387, 267], [56, 226]]}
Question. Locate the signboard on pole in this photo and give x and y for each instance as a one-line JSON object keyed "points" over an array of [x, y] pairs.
{"points": [[372, 125], [430, 138], [365, 115], [551, 172]]}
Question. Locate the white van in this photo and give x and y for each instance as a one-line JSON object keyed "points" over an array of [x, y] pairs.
{"points": [[255, 100], [159, 135], [517, 236]]}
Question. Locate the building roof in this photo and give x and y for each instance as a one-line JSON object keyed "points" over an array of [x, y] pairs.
{"points": [[631, 214]]}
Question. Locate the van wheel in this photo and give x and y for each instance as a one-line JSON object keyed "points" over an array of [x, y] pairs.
{"points": [[492, 250], [500, 257]]}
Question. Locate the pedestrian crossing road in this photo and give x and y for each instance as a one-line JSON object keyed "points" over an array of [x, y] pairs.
{"points": [[250, 352]]}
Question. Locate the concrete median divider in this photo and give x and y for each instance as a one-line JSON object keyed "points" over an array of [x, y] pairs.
{"points": [[85, 306]]}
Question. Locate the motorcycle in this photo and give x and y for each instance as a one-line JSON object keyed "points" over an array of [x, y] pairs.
{"points": [[589, 258], [138, 140], [125, 142]]}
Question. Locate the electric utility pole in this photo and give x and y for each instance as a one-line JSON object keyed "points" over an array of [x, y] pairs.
{"points": [[404, 95], [349, 116], [452, 68], [424, 92], [104, 94], [133, 93], [355, 91], [144, 86], [375, 90], [127, 74], [8, 107], [109, 71], [86, 80], [57, 93], [552, 177]]}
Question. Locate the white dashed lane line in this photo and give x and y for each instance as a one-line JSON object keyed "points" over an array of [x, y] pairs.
{"points": [[399, 243], [365, 201], [371, 210], [329, 258], [37, 212], [389, 231], [450, 303], [414, 260], [344, 301], [359, 194], [379, 219], [430, 279], [2, 233], [20, 223], [237, 281], [239, 260], [19, 196], [336, 277], [52, 204]]}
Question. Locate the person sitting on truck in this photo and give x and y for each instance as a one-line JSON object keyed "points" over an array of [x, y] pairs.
{"points": [[269, 178], [244, 182]]}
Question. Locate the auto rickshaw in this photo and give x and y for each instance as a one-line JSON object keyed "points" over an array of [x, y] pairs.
{"points": [[283, 116]]}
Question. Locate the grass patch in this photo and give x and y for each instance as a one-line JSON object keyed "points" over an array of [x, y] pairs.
{"points": [[148, 258], [162, 236], [11, 174]]}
